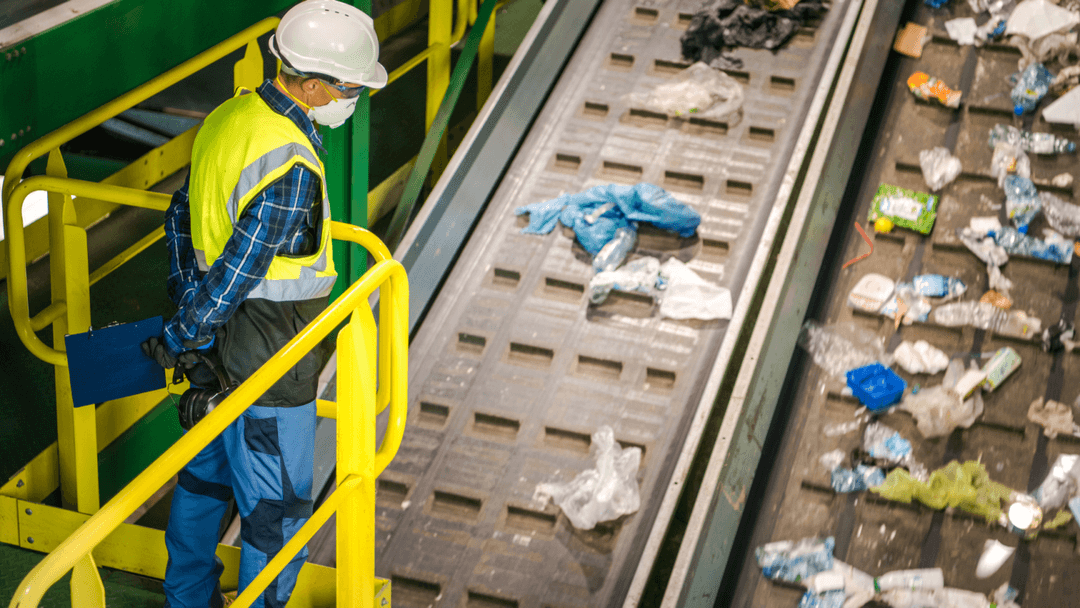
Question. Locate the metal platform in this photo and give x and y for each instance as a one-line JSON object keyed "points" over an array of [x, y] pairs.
{"points": [[512, 370], [871, 533]]}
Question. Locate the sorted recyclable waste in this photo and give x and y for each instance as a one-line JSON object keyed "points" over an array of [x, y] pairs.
{"points": [[1063, 217], [928, 88], [876, 386], [1031, 87], [905, 208], [1022, 202], [940, 409], [1008, 159], [920, 358], [1035, 143], [966, 486], [793, 562], [1054, 247], [843, 346], [602, 494], [939, 167], [1013, 323]]}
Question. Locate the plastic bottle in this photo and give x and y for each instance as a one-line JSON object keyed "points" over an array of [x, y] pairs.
{"points": [[987, 316], [613, 253], [923, 578], [1033, 84], [1036, 143]]}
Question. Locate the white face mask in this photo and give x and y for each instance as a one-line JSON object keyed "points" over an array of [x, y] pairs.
{"points": [[333, 114]]}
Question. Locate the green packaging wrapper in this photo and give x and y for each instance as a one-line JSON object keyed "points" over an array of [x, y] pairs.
{"points": [[906, 208], [1001, 366]]}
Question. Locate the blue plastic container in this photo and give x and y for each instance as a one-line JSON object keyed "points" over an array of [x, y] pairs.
{"points": [[876, 386]]}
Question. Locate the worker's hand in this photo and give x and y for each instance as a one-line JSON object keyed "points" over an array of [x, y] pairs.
{"points": [[155, 349]]}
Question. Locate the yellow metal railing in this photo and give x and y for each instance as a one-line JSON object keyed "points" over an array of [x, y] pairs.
{"points": [[358, 463], [75, 468]]}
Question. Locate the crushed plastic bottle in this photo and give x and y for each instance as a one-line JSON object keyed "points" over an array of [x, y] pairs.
{"points": [[938, 286], [841, 347], [1009, 160], [613, 253], [861, 479], [792, 562], [946, 597], [989, 317], [828, 599], [1036, 143], [1062, 216], [1022, 201], [640, 275], [1032, 86], [1054, 248], [922, 578], [1060, 484], [939, 167], [927, 87]]}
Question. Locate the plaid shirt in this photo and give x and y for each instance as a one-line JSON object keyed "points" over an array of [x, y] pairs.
{"points": [[280, 220]]}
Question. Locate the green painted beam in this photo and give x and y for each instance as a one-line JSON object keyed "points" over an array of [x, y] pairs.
{"points": [[64, 72]]}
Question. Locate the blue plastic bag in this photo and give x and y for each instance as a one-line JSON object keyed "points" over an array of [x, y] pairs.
{"points": [[596, 214]]}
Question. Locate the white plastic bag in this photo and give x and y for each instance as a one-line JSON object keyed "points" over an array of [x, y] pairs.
{"points": [[939, 167], [689, 296], [601, 494], [699, 90]]}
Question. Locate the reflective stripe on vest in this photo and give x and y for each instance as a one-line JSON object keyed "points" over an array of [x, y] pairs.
{"points": [[243, 147]]}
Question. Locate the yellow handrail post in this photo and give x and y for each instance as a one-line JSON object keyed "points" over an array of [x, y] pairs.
{"points": [[485, 63], [87, 590], [248, 72], [70, 278], [356, 458], [440, 37]]}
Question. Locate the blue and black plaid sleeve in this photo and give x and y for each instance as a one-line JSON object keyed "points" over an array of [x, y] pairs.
{"points": [[282, 219]]}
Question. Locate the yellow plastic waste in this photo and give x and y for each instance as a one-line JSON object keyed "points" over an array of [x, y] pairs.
{"points": [[967, 486], [1063, 517], [883, 224]]}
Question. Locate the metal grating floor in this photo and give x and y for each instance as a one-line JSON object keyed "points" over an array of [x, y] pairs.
{"points": [[512, 370], [873, 534]]}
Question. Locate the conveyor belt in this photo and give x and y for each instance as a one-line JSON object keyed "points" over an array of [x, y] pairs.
{"points": [[511, 370], [871, 533]]}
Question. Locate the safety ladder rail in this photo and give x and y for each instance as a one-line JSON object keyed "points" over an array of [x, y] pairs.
{"points": [[358, 462]]}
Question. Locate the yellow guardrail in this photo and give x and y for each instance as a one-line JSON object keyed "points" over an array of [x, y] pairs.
{"points": [[358, 462], [68, 312]]}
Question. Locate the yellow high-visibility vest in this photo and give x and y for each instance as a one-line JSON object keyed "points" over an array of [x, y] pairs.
{"points": [[242, 148]]}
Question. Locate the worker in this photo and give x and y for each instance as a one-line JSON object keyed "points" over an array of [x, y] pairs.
{"points": [[250, 265]]}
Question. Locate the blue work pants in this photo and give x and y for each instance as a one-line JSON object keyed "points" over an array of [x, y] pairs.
{"points": [[264, 459]]}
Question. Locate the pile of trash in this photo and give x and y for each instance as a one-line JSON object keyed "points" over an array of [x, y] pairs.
{"points": [[725, 24], [831, 583]]}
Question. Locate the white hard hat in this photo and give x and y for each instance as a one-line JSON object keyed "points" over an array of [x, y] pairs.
{"points": [[330, 40]]}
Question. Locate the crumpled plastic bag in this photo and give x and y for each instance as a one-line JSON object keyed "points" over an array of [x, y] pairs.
{"points": [[1055, 417], [984, 248], [607, 492], [688, 296], [841, 347], [920, 357], [939, 167], [721, 24], [938, 410], [640, 275], [1062, 216], [699, 90], [1022, 201], [596, 214], [1060, 484], [967, 486], [791, 562]]}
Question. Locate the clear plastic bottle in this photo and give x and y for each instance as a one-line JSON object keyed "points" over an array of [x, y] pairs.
{"points": [[613, 253], [1033, 84], [989, 317], [922, 578], [1036, 143]]}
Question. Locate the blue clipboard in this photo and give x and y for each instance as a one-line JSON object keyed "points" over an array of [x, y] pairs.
{"points": [[108, 363]]}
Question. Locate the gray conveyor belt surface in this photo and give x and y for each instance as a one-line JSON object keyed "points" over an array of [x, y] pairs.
{"points": [[874, 534], [512, 369]]}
